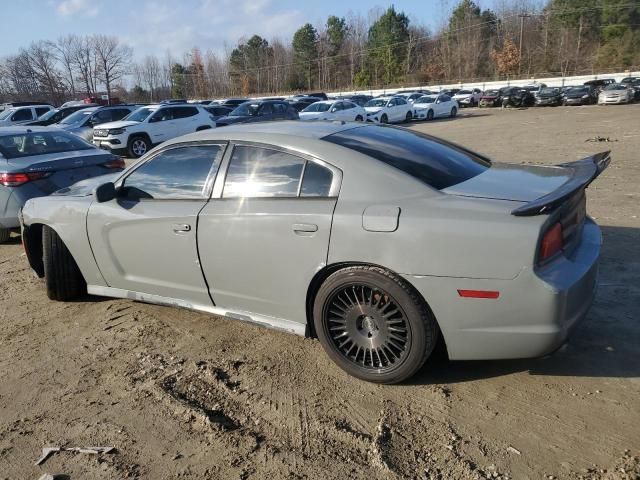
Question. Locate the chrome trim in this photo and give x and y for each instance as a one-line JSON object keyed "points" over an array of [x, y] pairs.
{"points": [[281, 324]]}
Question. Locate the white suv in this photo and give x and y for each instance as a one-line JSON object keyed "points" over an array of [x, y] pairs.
{"points": [[148, 126], [19, 115]]}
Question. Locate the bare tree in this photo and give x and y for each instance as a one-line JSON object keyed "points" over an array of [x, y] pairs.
{"points": [[43, 65], [65, 53], [113, 59]]}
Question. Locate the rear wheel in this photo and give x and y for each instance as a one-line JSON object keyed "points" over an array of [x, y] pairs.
{"points": [[384, 118], [454, 112], [4, 235], [62, 275], [359, 118], [430, 115], [138, 146], [373, 324]]}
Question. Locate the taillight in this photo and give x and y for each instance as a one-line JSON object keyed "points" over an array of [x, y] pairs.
{"points": [[552, 242], [116, 163], [17, 179]]}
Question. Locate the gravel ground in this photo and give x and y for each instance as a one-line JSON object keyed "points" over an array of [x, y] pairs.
{"points": [[186, 395]]}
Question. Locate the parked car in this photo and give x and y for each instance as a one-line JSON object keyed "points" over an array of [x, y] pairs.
{"points": [[388, 110], [36, 161], [82, 122], [598, 85], [311, 228], [320, 95], [259, 111], [173, 101], [549, 96], [632, 82], [148, 126], [490, 98], [584, 95], [334, 110], [450, 91], [468, 98], [5, 106], [218, 111], [534, 88], [20, 115], [615, 93], [233, 102], [431, 106], [409, 96], [516, 97], [357, 99], [57, 115], [300, 103]]}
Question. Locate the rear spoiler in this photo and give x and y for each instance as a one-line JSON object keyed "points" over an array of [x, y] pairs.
{"points": [[584, 172]]}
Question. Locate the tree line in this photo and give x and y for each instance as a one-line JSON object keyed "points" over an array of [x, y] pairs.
{"points": [[385, 48]]}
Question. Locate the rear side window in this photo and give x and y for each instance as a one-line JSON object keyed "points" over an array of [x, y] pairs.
{"points": [[316, 181], [262, 172], [432, 161], [177, 174], [184, 112], [21, 115], [119, 113], [41, 111]]}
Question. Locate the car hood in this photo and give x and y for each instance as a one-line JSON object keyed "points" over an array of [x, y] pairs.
{"points": [[118, 124], [575, 95], [230, 119], [521, 183], [70, 127], [489, 97], [548, 95], [373, 109], [86, 187], [463, 96]]}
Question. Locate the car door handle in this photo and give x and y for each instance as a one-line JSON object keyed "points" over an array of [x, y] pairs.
{"points": [[303, 228], [181, 227]]}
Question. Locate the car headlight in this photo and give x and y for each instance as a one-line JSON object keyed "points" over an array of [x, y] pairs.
{"points": [[116, 131], [585, 96]]}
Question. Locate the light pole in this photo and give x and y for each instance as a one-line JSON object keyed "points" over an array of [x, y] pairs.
{"points": [[522, 17]]}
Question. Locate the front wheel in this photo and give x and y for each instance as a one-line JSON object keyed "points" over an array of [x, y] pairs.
{"points": [[430, 115], [384, 118], [4, 235], [408, 117], [62, 275], [138, 146], [373, 324], [359, 118], [454, 112]]}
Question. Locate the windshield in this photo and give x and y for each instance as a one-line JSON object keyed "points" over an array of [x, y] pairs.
{"points": [[428, 159], [79, 117], [615, 86], [425, 99], [247, 109], [48, 115], [549, 91], [492, 93], [140, 115], [317, 107], [40, 143], [376, 102], [6, 114]]}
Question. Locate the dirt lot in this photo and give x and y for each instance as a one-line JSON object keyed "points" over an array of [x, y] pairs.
{"points": [[186, 395]]}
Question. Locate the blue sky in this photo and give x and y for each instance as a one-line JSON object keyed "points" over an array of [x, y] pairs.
{"points": [[155, 26]]}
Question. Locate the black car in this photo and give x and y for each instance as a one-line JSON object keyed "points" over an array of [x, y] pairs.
{"points": [[582, 95], [218, 111], [632, 82], [320, 95], [357, 99], [259, 111], [599, 85], [300, 103], [233, 102], [516, 97], [549, 97], [58, 114]]}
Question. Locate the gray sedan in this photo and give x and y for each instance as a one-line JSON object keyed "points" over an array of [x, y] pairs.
{"points": [[379, 241], [37, 161]]}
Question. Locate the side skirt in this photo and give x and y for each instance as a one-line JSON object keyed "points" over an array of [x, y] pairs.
{"points": [[263, 320]]}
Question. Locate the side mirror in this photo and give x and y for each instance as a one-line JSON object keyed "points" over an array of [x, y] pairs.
{"points": [[105, 192]]}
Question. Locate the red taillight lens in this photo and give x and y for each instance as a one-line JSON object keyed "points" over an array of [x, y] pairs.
{"points": [[17, 179], [552, 242], [116, 163]]}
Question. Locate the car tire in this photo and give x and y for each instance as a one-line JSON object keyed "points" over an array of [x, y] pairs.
{"points": [[359, 118], [62, 276], [454, 112], [430, 115], [402, 333], [384, 118], [137, 146], [408, 117], [4, 234]]}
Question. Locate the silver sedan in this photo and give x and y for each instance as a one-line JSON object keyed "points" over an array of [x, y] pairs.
{"points": [[379, 241]]}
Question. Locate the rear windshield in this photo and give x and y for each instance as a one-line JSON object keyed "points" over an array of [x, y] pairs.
{"points": [[428, 159], [40, 143]]}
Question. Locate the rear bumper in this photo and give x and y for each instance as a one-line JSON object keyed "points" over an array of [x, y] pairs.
{"points": [[534, 314]]}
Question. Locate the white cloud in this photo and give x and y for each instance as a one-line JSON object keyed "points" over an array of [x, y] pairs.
{"points": [[68, 8]]}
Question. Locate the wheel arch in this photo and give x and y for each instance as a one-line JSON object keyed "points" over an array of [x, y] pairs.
{"points": [[328, 270], [32, 242], [144, 135]]}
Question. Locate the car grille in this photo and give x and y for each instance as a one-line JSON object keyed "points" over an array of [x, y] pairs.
{"points": [[100, 133]]}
